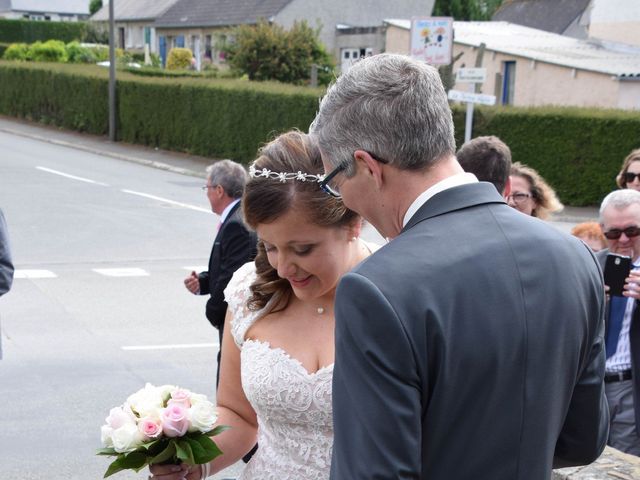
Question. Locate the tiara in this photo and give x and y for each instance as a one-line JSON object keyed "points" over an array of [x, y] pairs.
{"points": [[284, 176]]}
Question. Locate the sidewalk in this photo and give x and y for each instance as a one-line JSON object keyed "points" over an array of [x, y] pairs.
{"points": [[181, 162], [174, 161]]}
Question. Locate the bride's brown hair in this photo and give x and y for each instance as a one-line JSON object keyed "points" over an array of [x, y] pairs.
{"points": [[267, 199]]}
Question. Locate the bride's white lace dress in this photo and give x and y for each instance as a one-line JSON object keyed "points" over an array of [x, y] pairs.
{"points": [[295, 431]]}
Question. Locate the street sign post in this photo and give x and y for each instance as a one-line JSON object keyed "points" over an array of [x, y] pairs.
{"points": [[432, 39], [472, 76]]}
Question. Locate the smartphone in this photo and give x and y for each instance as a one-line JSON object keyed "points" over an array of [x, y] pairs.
{"points": [[616, 270]]}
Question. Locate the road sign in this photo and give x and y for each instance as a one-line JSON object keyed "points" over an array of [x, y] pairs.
{"points": [[469, 97], [432, 39], [471, 75]]}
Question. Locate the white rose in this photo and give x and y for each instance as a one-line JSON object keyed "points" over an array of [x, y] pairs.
{"points": [[197, 398], [105, 436], [203, 416], [118, 417], [146, 401], [126, 438]]}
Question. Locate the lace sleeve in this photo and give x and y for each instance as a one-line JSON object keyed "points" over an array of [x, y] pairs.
{"points": [[236, 295]]}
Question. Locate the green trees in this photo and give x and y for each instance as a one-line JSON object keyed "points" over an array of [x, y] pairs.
{"points": [[466, 9], [94, 6], [269, 52]]}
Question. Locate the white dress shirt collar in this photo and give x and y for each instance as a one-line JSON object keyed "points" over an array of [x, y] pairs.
{"points": [[225, 212], [449, 182]]}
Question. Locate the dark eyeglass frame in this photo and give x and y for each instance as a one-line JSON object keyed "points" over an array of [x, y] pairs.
{"points": [[616, 233], [630, 176], [328, 189], [519, 198]]}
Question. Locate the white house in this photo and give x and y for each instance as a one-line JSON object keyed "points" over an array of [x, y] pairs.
{"points": [[531, 67], [53, 10]]}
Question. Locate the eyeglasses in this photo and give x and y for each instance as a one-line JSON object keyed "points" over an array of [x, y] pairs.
{"points": [[329, 189], [616, 233], [206, 187], [333, 189], [630, 176], [518, 197]]}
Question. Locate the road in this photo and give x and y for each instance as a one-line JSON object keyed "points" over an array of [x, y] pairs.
{"points": [[98, 307]]}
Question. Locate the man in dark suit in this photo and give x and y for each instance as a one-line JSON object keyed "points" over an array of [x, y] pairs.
{"points": [[471, 345], [489, 159], [6, 266], [234, 244], [620, 222]]}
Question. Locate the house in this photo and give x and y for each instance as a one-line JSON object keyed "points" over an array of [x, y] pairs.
{"points": [[609, 20], [200, 24], [564, 17], [530, 67], [134, 22], [53, 10]]}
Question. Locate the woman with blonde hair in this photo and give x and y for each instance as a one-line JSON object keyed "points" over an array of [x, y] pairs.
{"points": [[530, 194], [629, 176]]}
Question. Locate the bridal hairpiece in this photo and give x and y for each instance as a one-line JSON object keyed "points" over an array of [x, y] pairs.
{"points": [[284, 176]]}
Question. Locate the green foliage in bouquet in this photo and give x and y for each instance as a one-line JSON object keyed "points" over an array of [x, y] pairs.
{"points": [[193, 448]]}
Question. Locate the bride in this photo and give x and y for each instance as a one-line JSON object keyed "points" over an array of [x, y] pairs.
{"points": [[278, 352]]}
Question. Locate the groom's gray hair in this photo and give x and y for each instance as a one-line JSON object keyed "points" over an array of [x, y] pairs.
{"points": [[391, 106]]}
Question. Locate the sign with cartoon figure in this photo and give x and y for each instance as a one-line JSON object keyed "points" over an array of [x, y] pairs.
{"points": [[432, 39]]}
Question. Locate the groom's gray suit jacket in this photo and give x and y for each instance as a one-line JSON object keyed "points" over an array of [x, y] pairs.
{"points": [[469, 347]]}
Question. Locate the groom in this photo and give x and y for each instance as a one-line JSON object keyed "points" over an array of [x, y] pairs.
{"points": [[471, 345]]}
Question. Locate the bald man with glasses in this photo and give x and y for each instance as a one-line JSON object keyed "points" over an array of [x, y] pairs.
{"points": [[620, 222]]}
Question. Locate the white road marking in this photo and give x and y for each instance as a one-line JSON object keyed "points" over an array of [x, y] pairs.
{"points": [[170, 347], [33, 274], [166, 200], [121, 272], [62, 174]]}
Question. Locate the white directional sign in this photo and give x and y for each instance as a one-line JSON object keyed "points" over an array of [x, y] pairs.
{"points": [[471, 75], [469, 97]]}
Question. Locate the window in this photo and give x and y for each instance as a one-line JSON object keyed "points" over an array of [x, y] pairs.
{"points": [[207, 47], [508, 82]]}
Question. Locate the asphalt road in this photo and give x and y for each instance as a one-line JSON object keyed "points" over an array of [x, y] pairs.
{"points": [[98, 307]]}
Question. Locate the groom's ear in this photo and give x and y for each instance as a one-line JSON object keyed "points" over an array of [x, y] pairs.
{"points": [[370, 167]]}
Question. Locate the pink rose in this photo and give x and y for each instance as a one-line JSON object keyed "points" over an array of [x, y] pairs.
{"points": [[180, 397], [175, 421], [149, 427]]}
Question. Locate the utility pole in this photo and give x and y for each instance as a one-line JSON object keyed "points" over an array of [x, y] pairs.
{"points": [[112, 74]]}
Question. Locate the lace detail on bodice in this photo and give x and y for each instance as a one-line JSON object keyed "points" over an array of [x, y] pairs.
{"points": [[236, 295], [295, 431]]}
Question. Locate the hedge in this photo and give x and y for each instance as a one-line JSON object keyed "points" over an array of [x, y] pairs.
{"points": [[29, 31], [578, 151], [219, 118]]}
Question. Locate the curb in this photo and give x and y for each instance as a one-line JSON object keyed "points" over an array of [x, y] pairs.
{"points": [[126, 158]]}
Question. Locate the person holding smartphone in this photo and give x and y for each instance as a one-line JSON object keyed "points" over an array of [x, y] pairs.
{"points": [[620, 222]]}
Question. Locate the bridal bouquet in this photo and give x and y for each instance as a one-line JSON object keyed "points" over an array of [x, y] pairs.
{"points": [[164, 424]]}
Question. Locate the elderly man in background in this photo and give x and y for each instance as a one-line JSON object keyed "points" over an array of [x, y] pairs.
{"points": [[234, 243], [620, 222]]}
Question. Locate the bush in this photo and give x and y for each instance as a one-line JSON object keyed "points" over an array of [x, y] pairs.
{"points": [[49, 51], [28, 31], [17, 51], [269, 52], [179, 59], [3, 48]]}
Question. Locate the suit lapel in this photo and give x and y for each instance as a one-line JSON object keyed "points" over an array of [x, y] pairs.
{"points": [[456, 198]]}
